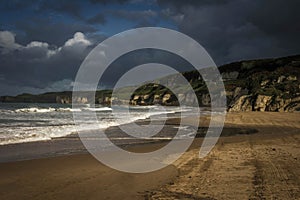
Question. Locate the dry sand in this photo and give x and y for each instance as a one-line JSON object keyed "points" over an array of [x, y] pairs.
{"points": [[265, 165]]}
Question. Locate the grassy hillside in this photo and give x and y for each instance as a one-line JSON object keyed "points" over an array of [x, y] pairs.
{"points": [[263, 85]]}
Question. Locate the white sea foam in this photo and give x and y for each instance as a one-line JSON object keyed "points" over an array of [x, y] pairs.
{"points": [[36, 110], [68, 110], [45, 110], [98, 109], [26, 123]]}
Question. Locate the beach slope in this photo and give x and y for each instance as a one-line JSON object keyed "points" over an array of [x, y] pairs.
{"points": [[263, 165]]}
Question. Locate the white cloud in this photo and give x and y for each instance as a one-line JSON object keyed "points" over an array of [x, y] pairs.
{"points": [[7, 41], [37, 44], [52, 52], [79, 38], [40, 58]]}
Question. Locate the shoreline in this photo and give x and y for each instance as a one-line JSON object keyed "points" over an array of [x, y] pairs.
{"points": [[265, 164], [72, 145], [34, 133]]}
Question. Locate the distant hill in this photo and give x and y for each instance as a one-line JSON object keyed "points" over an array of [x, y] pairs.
{"points": [[58, 97], [252, 85]]}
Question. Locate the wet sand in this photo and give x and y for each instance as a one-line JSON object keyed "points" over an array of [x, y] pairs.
{"points": [[264, 164]]}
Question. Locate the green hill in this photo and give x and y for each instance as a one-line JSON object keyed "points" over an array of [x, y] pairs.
{"points": [[252, 85]]}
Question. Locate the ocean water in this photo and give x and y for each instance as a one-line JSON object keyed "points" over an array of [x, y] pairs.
{"points": [[20, 123]]}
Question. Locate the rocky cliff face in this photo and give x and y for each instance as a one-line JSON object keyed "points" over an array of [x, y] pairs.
{"points": [[243, 103], [166, 99], [68, 99], [265, 103], [255, 85], [272, 85]]}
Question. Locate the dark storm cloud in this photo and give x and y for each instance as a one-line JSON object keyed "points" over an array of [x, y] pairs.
{"points": [[232, 30], [60, 6], [65, 6], [40, 68], [97, 19], [16, 4], [142, 18], [135, 58], [107, 1], [43, 52], [142, 15], [179, 3], [41, 55]]}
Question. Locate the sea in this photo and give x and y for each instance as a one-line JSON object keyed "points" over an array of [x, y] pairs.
{"points": [[29, 122]]}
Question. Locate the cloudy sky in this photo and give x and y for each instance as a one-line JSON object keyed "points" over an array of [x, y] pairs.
{"points": [[42, 43]]}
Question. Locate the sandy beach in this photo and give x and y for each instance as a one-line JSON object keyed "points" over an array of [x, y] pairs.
{"points": [[264, 164]]}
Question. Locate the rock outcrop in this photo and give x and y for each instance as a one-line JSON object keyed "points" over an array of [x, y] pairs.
{"points": [[243, 103], [63, 100], [262, 102], [265, 103]]}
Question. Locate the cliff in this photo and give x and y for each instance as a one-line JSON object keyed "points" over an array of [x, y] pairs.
{"points": [[253, 85], [264, 85]]}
